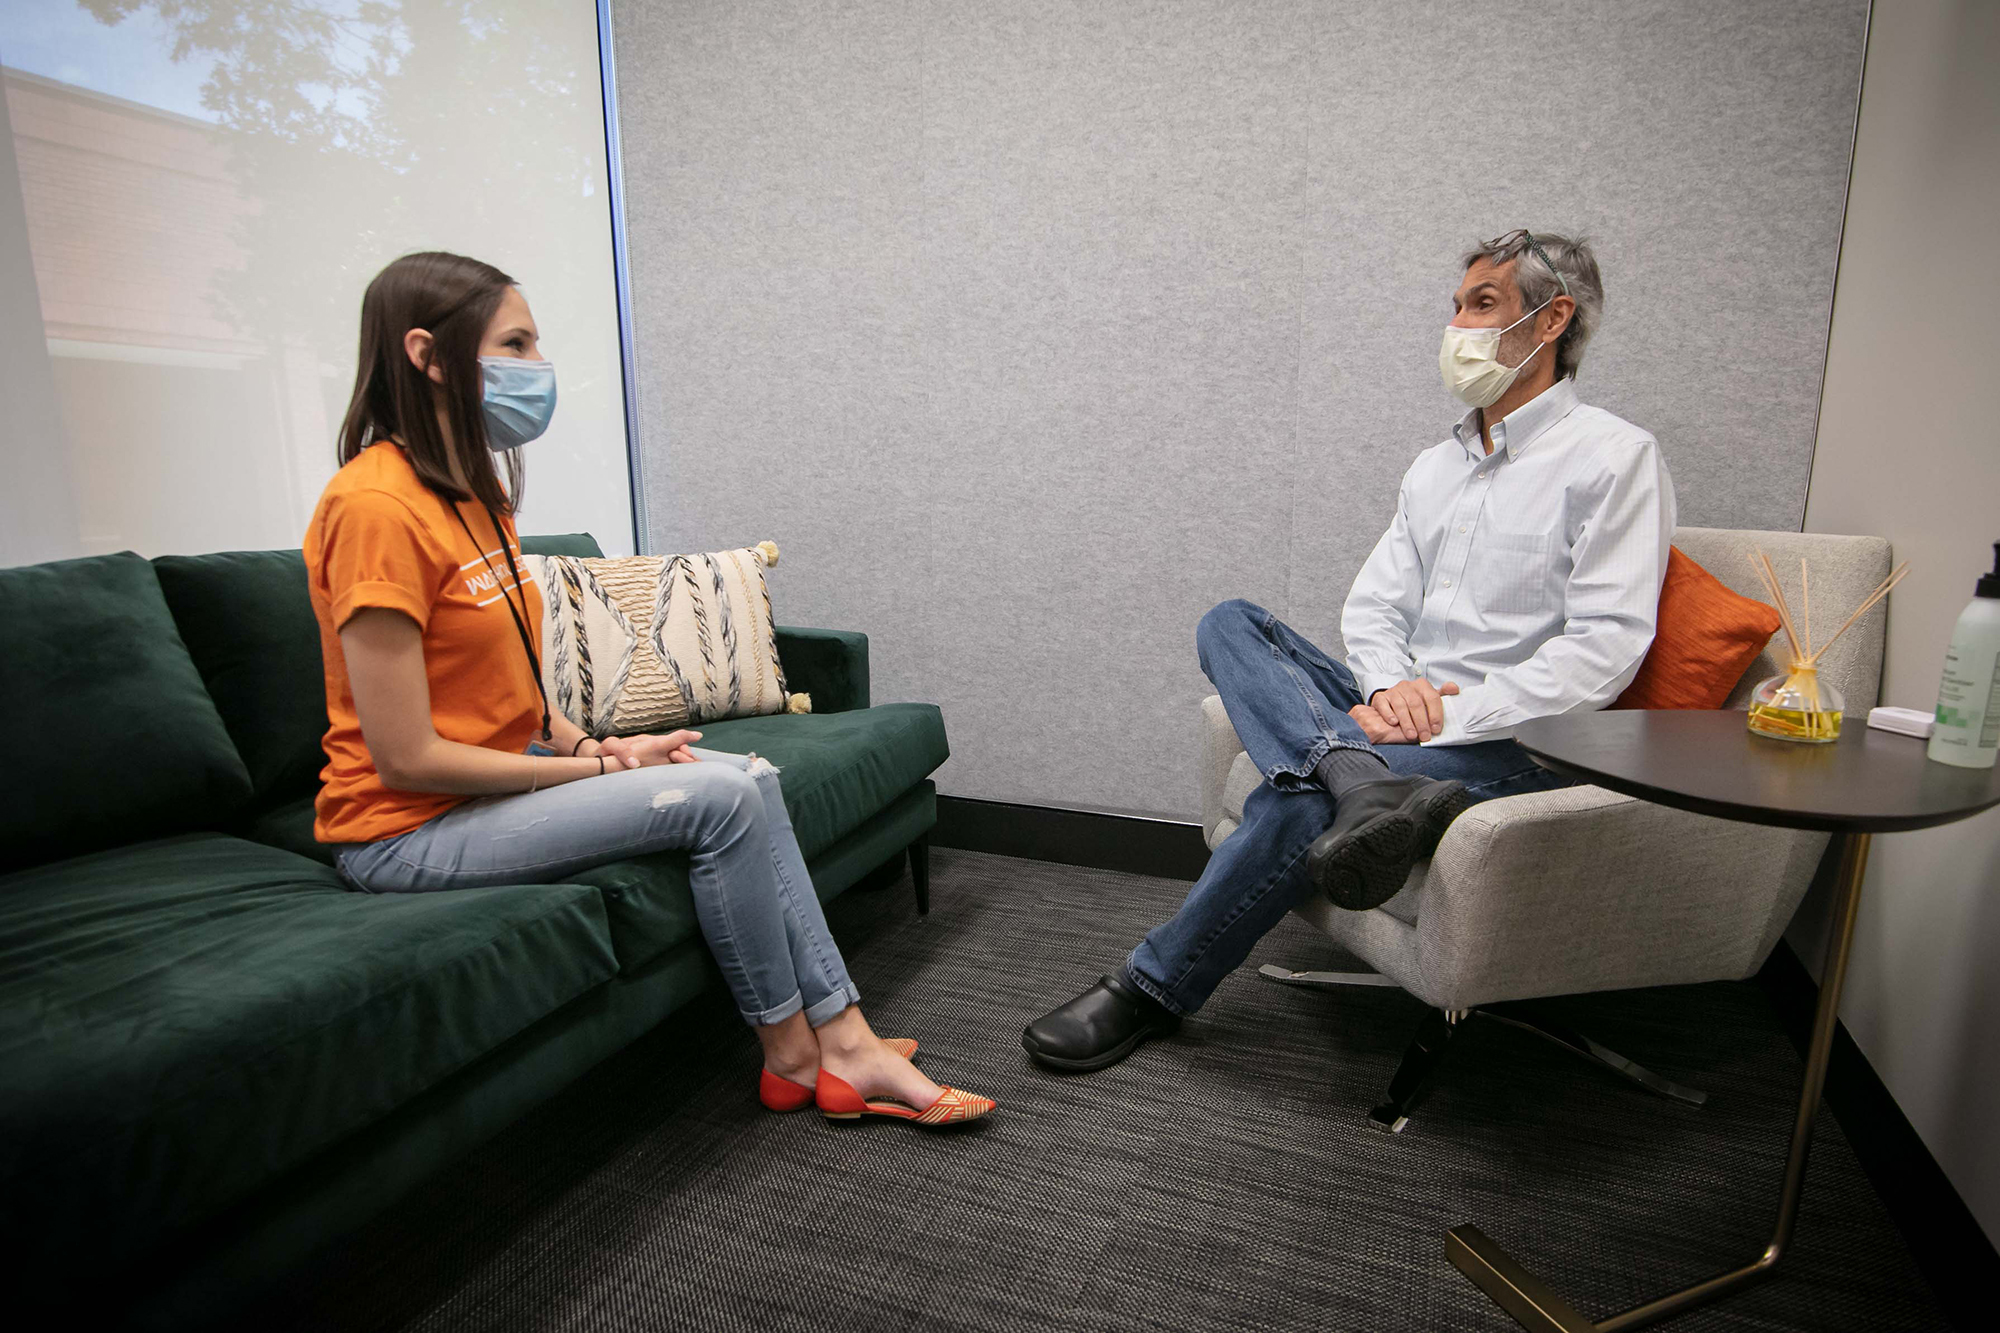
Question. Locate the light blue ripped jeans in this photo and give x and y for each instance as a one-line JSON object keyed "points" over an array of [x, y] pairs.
{"points": [[752, 895]]}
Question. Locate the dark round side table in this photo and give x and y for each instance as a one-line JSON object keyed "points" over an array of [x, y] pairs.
{"points": [[1866, 782]]}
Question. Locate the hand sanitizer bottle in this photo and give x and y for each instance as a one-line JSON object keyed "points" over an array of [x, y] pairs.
{"points": [[1968, 711]]}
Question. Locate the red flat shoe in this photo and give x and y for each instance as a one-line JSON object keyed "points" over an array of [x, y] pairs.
{"points": [[781, 1094], [838, 1100]]}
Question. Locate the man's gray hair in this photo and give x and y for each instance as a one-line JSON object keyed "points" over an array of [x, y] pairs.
{"points": [[1538, 283]]}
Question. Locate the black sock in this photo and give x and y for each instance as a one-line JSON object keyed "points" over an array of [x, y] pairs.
{"points": [[1123, 980], [1343, 768]]}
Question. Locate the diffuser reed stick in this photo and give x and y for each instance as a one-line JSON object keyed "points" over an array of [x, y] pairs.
{"points": [[1805, 592], [1796, 706]]}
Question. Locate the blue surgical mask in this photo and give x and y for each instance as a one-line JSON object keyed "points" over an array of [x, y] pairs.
{"points": [[519, 398]]}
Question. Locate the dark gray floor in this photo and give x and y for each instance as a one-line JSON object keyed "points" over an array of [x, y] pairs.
{"points": [[1224, 1179]]}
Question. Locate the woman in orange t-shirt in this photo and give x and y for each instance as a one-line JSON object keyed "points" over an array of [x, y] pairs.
{"points": [[446, 768]]}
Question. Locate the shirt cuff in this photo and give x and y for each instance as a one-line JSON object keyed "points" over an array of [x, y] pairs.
{"points": [[1468, 718], [378, 594], [1370, 681]]}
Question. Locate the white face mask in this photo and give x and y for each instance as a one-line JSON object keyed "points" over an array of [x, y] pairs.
{"points": [[1470, 362]]}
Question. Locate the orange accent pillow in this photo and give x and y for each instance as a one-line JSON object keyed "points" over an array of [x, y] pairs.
{"points": [[1707, 638]]}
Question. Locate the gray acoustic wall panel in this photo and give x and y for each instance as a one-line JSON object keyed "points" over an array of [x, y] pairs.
{"points": [[1030, 329]]}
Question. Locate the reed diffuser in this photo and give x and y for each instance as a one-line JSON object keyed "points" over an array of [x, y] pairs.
{"points": [[1798, 705]]}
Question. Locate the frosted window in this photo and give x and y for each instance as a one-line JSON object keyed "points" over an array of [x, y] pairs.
{"points": [[206, 192]]}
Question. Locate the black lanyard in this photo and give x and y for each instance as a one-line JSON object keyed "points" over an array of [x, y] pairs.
{"points": [[519, 617]]}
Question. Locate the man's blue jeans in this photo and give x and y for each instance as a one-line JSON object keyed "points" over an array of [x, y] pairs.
{"points": [[1288, 702]]}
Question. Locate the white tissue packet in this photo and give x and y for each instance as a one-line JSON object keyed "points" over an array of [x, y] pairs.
{"points": [[1903, 721]]}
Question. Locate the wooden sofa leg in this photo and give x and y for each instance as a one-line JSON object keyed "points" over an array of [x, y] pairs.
{"points": [[920, 873]]}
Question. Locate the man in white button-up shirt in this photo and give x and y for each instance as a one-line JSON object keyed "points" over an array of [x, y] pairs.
{"points": [[1519, 578]]}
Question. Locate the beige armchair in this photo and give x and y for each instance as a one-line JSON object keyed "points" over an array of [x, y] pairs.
{"points": [[1580, 889]]}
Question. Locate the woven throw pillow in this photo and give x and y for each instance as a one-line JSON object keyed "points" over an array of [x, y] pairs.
{"points": [[651, 642], [1707, 638]]}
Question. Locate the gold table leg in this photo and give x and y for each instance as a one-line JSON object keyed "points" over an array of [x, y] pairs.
{"points": [[1535, 1306]]}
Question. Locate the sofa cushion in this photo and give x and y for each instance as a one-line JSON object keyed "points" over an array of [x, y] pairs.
{"points": [[250, 628], [562, 543], [183, 1020], [836, 770], [831, 665], [95, 681], [841, 768]]}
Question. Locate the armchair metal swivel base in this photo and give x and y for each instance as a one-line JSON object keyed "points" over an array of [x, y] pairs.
{"points": [[1439, 1029], [1580, 889]]}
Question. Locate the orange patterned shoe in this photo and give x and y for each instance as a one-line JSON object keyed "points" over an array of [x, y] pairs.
{"points": [[838, 1100], [903, 1046]]}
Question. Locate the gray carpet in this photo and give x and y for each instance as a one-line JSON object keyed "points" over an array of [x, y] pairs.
{"points": [[1224, 1179]]}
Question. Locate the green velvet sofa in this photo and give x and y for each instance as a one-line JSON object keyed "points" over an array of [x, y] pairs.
{"points": [[213, 1055]]}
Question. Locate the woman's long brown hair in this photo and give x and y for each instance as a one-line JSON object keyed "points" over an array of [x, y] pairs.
{"points": [[454, 298]]}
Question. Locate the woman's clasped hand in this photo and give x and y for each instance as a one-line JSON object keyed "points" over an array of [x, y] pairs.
{"points": [[646, 751]]}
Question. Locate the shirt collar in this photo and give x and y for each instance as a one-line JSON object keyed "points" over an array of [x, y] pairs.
{"points": [[1518, 429]]}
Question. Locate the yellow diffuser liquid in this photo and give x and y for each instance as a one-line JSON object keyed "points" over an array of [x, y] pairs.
{"points": [[1796, 707]]}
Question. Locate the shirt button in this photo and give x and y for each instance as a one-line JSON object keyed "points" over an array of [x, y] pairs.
{"points": [[1447, 583], [1461, 527]]}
